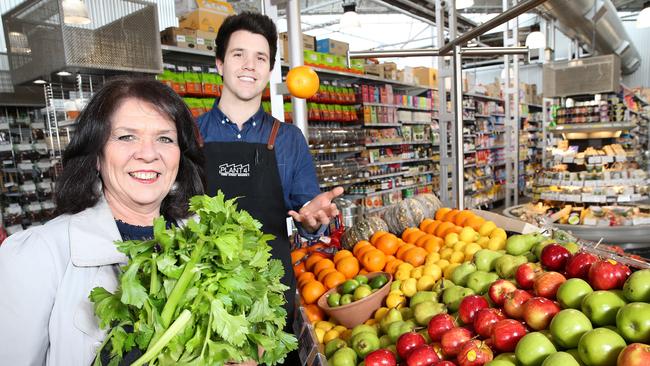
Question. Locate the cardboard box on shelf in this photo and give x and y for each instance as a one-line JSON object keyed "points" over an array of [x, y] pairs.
{"points": [[178, 37], [356, 63], [425, 76], [328, 45], [312, 58], [390, 70], [308, 44], [407, 75], [205, 40], [208, 17], [374, 69]]}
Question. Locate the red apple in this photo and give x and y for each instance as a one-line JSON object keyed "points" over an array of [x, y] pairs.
{"points": [[506, 333], [422, 355], [514, 305], [445, 363], [407, 342], [578, 265], [474, 353], [485, 319], [635, 354], [623, 273], [453, 340], [539, 311], [554, 257], [469, 306], [526, 274], [605, 275], [440, 324], [499, 289], [547, 284], [380, 357]]}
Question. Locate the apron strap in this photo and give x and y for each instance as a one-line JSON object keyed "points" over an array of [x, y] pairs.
{"points": [[274, 133]]}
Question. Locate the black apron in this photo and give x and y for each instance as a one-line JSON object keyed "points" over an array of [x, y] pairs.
{"points": [[250, 171]]}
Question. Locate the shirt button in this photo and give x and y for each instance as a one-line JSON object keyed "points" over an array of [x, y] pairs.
{"points": [[254, 124], [223, 122], [238, 136]]}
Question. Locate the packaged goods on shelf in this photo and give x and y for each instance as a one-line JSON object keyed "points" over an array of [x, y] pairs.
{"points": [[179, 37], [208, 17], [332, 46], [590, 215], [308, 44]]}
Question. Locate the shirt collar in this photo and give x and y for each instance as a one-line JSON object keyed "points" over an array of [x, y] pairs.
{"points": [[254, 120]]}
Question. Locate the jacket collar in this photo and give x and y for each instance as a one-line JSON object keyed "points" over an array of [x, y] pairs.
{"points": [[93, 234]]}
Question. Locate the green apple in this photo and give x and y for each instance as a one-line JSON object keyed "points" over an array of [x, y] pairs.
{"points": [[364, 343], [568, 326], [576, 355], [496, 362], [453, 296], [601, 307], [637, 286], [460, 274], [560, 359], [572, 292], [508, 356], [485, 258], [533, 348], [361, 292], [424, 311], [600, 347], [343, 357], [480, 281], [385, 341], [363, 328], [421, 296], [633, 322], [506, 265], [520, 244]]}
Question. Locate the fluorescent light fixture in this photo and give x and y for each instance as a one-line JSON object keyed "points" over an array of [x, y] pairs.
{"points": [[18, 43], [643, 20], [535, 38], [63, 73], [39, 81], [75, 12], [464, 4], [350, 18]]}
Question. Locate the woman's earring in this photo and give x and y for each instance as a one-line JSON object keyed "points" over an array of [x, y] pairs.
{"points": [[174, 187]]}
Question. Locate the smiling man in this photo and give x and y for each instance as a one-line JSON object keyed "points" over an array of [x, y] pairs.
{"points": [[251, 155]]}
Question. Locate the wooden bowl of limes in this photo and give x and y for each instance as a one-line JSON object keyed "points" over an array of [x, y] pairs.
{"points": [[355, 300]]}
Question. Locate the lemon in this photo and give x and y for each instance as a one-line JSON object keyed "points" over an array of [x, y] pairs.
{"points": [[483, 241], [487, 228], [405, 266], [324, 325], [330, 335], [470, 249], [457, 257], [395, 300], [443, 263], [432, 258], [496, 243], [468, 235], [499, 233], [340, 329], [379, 314], [451, 239], [460, 246], [446, 253], [320, 335], [416, 272], [425, 283], [450, 269]]}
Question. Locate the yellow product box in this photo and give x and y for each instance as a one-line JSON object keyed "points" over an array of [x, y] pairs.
{"points": [[208, 17]]}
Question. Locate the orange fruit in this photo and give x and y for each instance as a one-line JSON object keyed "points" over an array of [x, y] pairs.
{"points": [[320, 276], [390, 258], [462, 216], [377, 235], [391, 266], [321, 265], [364, 250], [402, 249], [387, 244], [304, 278], [440, 230], [449, 216], [431, 228], [374, 260], [363, 271], [441, 213], [302, 82], [415, 236], [333, 279], [349, 266], [475, 222], [299, 269], [433, 244], [359, 245], [408, 232], [423, 239], [342, 254], [312, 259], [314, 313], [311, 291], [297, 255], [453, 229], [416, 256], [424, 223]]}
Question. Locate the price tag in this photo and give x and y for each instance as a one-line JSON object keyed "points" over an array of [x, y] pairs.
{"points": [[567, 159], [595, 160], [588, 197], [621, 157], [180, 38], [212, 70], [624, 198], [181, 68], [608, 159], [197, 68], [200, 40]]}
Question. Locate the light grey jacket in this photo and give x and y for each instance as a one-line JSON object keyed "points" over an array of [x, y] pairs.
{"points": [[46, 275]]}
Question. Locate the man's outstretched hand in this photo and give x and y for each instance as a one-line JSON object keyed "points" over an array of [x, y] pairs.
{"points": [[319, 211]]}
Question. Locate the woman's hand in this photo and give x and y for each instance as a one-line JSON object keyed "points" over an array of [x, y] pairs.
{"points": [[319, 211]]}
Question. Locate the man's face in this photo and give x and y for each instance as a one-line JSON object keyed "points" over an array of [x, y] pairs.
{"points": [[246, 67]]}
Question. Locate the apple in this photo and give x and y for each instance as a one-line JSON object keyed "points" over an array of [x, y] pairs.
{"points": [[380, 357], [407, 342], [623, 272], [578, 265], [526, 274], [514, 305], [438, 348], [635, 354], [506, 333], [453, 339], [560, 359], [633, 322], [637, 286], [422, 355], [576, 355], [572, 292], [605, 275], [452, 297], [533, 348], [469, 306], [439, 324], [499, 289], [601, 307], [504, 359], [485, 319], [547, 284], [554, 257], [445, 363], [600, 347], [568, 326], [474, 353], [539, 311]]}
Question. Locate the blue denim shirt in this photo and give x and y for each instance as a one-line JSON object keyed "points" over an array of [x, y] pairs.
{"points": [[295, 165]]}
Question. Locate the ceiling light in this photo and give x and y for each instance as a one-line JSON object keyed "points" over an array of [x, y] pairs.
{"points": [[643, 20], [535, 38], [464, 4], [63, 73], [75, 12], [39, 81], [18, 43], [350, 18]]}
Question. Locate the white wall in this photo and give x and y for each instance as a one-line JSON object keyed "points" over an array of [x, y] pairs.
{"points": [[640, 39]]}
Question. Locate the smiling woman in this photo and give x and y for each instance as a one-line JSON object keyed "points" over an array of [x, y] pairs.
{"points": [[134, 157]]}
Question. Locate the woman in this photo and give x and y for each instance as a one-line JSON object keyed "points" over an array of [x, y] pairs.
{"points": [[133, 157]]}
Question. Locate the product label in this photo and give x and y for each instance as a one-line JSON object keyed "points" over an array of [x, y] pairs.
{"points": [[234, 170], [180, 38]]}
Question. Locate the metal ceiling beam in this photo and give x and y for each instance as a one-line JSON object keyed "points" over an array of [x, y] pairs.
{"points": [[465, 51]]}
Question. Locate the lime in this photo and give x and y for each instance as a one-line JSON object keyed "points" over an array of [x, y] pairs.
{"points": [[361, 279], [346, 299], [378, 282], [334, 299], [349, 286]]}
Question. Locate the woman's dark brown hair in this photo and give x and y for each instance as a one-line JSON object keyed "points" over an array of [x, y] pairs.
{"points": [[76, 186]]}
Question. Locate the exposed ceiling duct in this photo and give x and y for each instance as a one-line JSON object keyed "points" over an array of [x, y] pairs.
{"points": [[595, 22]]}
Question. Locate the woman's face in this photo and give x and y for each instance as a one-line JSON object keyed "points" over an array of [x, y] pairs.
{"points": [[140, 160]]}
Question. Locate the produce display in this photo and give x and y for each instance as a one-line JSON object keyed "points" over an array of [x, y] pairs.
{"points": [[464, 292], [602, 216]]}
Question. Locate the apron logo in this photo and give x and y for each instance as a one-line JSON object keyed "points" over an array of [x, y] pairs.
{"points": [[234, 170]]}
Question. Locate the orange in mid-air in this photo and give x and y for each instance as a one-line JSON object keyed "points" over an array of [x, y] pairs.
{"points": [[302, 82]]}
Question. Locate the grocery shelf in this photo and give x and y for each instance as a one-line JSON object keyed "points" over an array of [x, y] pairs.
{"points": [[401, 161], [363, 77], [592, 127], [191, 51], [375, 144], [337, 150], [415, 123], [382, 125], [418, 173], [384, 191], [349, 181], [481, 96], [491, 147]]}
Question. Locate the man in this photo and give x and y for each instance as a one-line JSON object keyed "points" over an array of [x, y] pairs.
{"points": [[251, 155]]}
